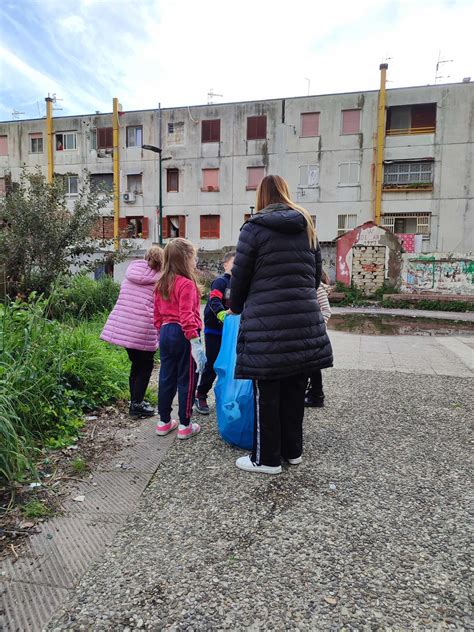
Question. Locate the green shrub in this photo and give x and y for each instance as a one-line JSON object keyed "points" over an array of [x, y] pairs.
{"points": [[434, 305], [50, 372], [79, 296]]}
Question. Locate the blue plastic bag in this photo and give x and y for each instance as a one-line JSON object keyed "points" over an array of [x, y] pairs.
{"points": [[234, 398]]}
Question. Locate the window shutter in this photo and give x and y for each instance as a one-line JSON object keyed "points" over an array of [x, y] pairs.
{"points": [[145, 227], [165, 228], [210, 179], [123, 227], [215, 228], [3, 145], [423, 116], [254, 176], [310, 124], [256, 127], [182, 226], [350, 121]]}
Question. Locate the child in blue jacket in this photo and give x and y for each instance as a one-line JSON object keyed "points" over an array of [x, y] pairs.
{"points": [[214, 314]]}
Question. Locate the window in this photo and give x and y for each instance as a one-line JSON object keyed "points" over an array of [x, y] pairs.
{"points": [[349, 173], [174, 226], [256, 127], [350, 121], [3, 188], [36, 143], [135, 136], [408, 223], [309, 176], [103, 181], [346, 223], [104, 228], [211, 131], [309, 124], [172, 180], [133, 227], [411, 175], [254, 177], [104, 138], [65, 141], [411, 119], [134, 183], [3, 145], [210, 226], [71, 184], [210, 180]]}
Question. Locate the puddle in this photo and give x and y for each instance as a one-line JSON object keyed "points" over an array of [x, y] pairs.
{"points": [[384, 325]]}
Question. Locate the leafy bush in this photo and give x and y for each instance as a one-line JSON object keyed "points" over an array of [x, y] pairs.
{"points": [[353, 295], [430, 304], [49, 373], [80, 296]]}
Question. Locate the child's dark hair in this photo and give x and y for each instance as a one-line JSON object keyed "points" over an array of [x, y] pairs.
{"points": [[228, 256]]}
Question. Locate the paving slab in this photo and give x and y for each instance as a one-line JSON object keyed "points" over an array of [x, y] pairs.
{"points": [[54, 560]]}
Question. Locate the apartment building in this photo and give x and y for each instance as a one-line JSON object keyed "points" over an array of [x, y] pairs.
{"points": [[214, 156]]}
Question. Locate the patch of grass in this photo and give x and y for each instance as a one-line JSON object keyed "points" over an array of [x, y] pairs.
{"points": [[50, 372], [35, 509], [81, 297], [79, 465], [353, 295], [434, 305]]}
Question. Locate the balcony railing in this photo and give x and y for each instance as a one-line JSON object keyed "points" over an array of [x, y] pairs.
{"points": [[411, 130]]}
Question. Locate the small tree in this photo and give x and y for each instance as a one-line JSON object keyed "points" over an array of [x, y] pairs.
{"points": [[40, 238]]}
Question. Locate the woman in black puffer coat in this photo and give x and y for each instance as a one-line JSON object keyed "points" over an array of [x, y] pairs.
{"points": [[282, 337]]}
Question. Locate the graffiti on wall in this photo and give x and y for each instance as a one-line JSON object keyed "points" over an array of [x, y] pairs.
{"points": [[438, 273]]}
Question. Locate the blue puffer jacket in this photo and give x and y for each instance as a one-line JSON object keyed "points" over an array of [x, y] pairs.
{"points": [[274, 281]]}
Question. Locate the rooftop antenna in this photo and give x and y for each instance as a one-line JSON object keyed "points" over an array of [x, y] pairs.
{"points": [[438, 64], [16, 115], [210, 96], [309, 84], [55, 100]]}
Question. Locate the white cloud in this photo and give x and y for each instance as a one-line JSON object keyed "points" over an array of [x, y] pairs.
{"points": [[73, 23]]}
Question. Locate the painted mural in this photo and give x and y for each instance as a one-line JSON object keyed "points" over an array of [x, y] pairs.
{"points": [[438, 272]]}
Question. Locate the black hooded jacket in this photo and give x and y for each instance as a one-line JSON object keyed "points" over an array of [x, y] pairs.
{"points": [[274, 281]]}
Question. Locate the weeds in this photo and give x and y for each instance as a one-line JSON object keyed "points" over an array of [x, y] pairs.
{"points": [[35, 509], [79, 465], [50, 372]]}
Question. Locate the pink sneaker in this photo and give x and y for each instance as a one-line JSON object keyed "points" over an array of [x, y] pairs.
{"points": [[186, 432], [162, 429]]}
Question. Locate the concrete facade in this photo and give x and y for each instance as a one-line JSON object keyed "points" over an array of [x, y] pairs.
{"points": [[330, 172]]}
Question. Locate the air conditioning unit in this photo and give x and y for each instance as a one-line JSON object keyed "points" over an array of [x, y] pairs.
{"points": [[101, 153], [129, 197]]}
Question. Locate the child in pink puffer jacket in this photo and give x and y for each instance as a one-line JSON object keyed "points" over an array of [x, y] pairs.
{"points": [[130, 325]]}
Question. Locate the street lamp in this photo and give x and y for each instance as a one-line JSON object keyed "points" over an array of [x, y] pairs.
{"points": [[158, 151]]}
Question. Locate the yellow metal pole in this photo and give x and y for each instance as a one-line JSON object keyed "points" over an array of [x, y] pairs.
{"points": [[49, 137], [380, 144], [115, 124]]}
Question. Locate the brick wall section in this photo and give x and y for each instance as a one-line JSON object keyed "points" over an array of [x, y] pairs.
{"points": [[368, 268]]}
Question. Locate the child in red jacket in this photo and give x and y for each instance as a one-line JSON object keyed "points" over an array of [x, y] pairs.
{"points": [[178, 320]]}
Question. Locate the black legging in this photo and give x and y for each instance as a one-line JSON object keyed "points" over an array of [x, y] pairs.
{"points": [[142, 366]]}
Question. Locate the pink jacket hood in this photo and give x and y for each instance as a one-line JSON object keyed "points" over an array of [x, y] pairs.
{"points": [[139, 272]]}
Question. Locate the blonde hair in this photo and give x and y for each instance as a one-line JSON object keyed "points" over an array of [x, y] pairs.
{"points": [[154, 257], [274, 190], [178, 260]]}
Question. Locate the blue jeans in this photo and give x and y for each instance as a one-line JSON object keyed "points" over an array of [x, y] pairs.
{"points": [[177, 373]]}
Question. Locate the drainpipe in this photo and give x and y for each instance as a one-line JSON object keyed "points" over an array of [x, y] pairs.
{"points": [[49, 137], [115, 127], [380, 144]]}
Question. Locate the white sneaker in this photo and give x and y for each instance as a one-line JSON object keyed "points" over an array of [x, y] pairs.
{"points": [[245, 463], [296, 461]]}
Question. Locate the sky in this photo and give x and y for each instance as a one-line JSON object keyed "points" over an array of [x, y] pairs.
{"points": [[174, 52]]}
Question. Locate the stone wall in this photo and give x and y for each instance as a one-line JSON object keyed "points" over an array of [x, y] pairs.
{"points": [[368, 268], [438, 272]]}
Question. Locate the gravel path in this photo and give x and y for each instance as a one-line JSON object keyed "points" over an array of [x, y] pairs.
{"points": [[368, 533]]}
